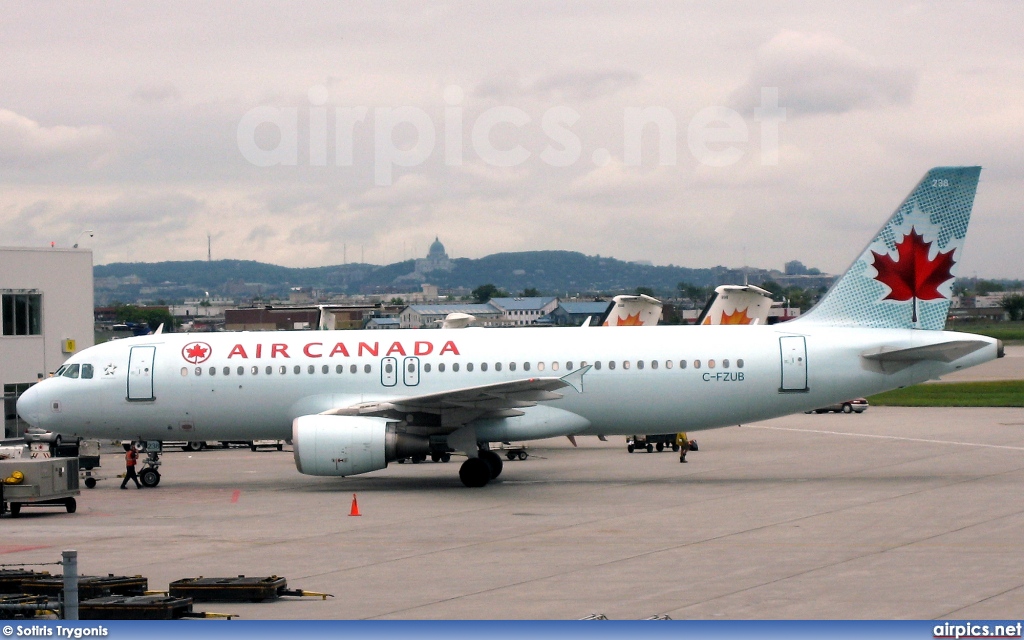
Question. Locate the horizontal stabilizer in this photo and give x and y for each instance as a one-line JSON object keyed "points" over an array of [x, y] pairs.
{"points": [[942, 352]]}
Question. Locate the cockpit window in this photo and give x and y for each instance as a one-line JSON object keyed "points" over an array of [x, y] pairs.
{"points": [[87, 371], [60, 371], [72, 371]]}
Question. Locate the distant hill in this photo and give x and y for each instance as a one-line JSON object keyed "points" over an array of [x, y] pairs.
{"points": [[551, 272]]}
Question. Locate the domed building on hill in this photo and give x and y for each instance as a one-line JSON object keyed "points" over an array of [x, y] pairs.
{"points": [[436, 260]]}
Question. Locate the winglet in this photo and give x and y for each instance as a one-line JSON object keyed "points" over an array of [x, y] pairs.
{"points": [[575, 379]]}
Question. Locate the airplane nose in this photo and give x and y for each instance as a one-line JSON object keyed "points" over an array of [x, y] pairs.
{"points": [[30, 406]]}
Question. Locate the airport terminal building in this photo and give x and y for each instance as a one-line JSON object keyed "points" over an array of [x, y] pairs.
{"points": [[46, 302]]}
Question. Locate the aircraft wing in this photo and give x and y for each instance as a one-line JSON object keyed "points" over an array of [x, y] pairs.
{"points": [[498, 400]]}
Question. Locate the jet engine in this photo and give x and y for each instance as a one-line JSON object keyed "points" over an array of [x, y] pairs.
{"points": [[349, 445]]}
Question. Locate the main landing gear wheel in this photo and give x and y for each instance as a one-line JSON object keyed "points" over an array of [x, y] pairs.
{"points": [[475, 472], [149, 477], [494, 462]]}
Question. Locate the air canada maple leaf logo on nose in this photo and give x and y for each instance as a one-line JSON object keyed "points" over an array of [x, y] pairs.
{"points": [[912, 275], [196, 352]]}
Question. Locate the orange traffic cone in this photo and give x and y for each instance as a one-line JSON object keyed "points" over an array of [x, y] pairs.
{"points": [[355, 507]]}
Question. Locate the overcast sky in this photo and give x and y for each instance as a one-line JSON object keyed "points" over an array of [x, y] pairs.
{"points": [[148, 123]]}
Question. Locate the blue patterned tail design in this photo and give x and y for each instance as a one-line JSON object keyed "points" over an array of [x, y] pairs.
{"points": [[904, 278]]}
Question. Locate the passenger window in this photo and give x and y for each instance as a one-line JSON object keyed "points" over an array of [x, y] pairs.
{"points": [[682, 364], [696, 364], [270, 370], [725, 363], [739, 363], [597, 365], [282, 370], [241, 371], [353, 369], [554, 366], [668, 364], [654, 364], [625, 364], [511, 366], [388, 368], [72, 371], [711, 364], [184, 371], [213, 371], [568, 366], [611, 364], [540, 366], [199, 371], [483, 366], [325, 369], [339, 369], [367, 368], [297, 369], [87, 371], [469, 366], [440, 368], [526, 366], [455, 367], [426, 368], [227, 371], [311, 369], [255, 371], [639, 364], [497, 366]]}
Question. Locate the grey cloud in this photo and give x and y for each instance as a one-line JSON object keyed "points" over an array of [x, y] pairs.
{"points": [[24, 142], [575, 85], [585, 85], [157, 93], [818, 73]]}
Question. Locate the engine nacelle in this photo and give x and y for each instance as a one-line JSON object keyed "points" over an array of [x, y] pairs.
{"points": [[350, 445]]}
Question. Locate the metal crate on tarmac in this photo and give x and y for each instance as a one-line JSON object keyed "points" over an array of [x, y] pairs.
{"points": [[135, 608], [11, 580], [89, 586], [240, 589]]}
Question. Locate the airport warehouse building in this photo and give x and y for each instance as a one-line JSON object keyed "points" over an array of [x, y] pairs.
{"points": [[46, 314]]}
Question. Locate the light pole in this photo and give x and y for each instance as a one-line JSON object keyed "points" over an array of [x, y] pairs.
{"points": [[89, 231]]}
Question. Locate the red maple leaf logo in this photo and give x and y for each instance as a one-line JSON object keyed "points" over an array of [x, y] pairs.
{"points": [[912, 275], [196, 352]]}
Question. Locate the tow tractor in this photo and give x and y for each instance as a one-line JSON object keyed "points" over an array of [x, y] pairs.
{"points": [[651, 442]]}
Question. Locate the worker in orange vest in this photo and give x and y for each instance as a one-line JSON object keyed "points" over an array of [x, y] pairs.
{"points": [[131, 458]]}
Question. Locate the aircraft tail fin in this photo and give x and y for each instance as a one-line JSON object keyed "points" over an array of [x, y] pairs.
{"points": [[904, 277]]}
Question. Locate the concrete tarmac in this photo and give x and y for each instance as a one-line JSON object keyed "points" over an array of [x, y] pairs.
{"points": [[896, 513]]}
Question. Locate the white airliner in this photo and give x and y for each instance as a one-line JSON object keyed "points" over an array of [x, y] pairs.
{"points": [[352, 401]]}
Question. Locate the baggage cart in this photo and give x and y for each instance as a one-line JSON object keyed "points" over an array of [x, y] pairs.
{"points": [[38, 482]]}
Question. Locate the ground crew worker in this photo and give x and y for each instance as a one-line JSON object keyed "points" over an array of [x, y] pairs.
{"points": [[684, 445], [131, 458]]}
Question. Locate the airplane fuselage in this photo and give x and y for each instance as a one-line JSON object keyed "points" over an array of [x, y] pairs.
{"points": [[252, 385]]}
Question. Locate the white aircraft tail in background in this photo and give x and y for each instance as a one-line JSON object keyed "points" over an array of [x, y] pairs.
{"points": [[737, 305], [634, 311]]}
